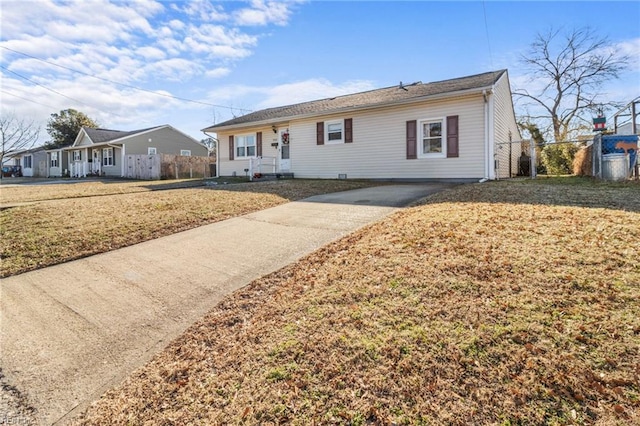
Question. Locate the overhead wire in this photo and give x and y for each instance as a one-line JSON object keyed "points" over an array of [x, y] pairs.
{"points": [[44, 87], [486, 28], [27, 99], [124, 84]]}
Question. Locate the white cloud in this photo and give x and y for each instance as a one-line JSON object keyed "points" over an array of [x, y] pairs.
{"points": [[259, 97], [264, 13], [217, 72], [150, 44]]}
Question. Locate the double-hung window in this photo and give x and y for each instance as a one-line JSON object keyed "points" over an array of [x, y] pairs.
{"points": [[431, 138], [335, 131], [245, 146], [54, 159], [77, 155], [107, 157], [27, 161]]}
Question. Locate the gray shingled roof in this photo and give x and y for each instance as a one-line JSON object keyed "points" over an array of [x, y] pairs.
{"points": [[386, 96], [107, 135]]}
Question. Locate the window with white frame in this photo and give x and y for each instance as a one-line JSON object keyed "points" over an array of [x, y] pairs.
{"points": [[185, 152], [152, 150], [431, 142], [54, 159], [334, 131], [27, 161], [245, 146], [77, 155], [107, 157]]}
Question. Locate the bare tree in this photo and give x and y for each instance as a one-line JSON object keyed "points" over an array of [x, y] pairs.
{"points": [[566, 73], [17, 134]]}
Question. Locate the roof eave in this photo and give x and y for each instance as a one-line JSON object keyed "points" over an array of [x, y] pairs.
{"points": [[271, 121]]}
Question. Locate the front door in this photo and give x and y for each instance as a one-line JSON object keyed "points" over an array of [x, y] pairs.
{"points": [[284, 162], [96, 163]]}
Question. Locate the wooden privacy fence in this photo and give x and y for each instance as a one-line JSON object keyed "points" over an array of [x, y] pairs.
{"points": [[167, 166]]}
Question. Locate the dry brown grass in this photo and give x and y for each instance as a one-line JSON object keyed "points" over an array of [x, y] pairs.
{"points": [[503, 303], [97, 217]]}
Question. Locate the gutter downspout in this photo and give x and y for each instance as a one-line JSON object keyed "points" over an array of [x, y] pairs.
{"points": [[486, 137]]}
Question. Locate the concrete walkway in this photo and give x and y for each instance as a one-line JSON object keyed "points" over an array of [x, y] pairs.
{"points": [[71, 331]]}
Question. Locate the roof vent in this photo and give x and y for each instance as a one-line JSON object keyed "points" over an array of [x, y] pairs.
{"points": [[402, 87]]}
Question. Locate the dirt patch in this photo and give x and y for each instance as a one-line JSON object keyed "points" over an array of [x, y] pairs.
{"points": [[501, 303]]}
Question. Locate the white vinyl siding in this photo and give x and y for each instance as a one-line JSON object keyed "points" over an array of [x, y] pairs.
{"points": [[379, 151], [504, 124], [269, 151]]}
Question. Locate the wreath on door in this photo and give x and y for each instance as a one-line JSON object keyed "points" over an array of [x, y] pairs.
{"points": [[285, 138]]}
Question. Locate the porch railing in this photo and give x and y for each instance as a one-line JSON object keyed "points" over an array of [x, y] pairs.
{"points": [[262, 164]]}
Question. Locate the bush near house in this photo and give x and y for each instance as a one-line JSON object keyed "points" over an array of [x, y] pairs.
{"points": [[557, 158]]}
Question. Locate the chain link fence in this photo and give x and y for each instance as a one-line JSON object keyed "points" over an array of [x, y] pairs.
{"points": [[615, 157], [515, 159]]}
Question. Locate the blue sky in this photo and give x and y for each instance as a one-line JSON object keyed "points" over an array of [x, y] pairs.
{"points": [[230, 57]]}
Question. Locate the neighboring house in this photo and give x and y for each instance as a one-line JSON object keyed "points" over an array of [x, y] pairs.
{"points": [[33, 162], [627, 129], [441, 130], [102, 152], [57, 163]]}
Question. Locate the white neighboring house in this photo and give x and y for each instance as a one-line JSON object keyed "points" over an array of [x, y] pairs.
{"points": [[445, 130], [101, 152], [33, 161]]}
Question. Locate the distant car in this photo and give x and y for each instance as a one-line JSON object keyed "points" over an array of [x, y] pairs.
{"points": [[11, 171]]}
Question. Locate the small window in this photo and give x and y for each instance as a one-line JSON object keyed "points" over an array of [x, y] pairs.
{"points": [[27, 161], [107, 157], [185, 152], [334, 131], [431, 138], [152, 150], [245, 146], [77, 155], [54, 159]]}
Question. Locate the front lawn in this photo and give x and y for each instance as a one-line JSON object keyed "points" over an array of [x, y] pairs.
{"points": [[499, 303], [95, 217]]}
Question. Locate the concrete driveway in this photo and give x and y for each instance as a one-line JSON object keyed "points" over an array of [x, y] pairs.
{"points": [[71, 331]]}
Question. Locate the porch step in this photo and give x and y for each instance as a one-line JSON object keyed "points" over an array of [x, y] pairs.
{"points": [[259, 177]]}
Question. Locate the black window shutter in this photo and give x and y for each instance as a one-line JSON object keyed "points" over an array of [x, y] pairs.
{"points": [[348, 130], [412, 139], [452, 136], [259, 144], [113, 156], [320, 133], [231, 148]]}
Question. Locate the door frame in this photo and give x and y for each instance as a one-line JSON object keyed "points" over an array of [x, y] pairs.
{"points": [[281, 145]]}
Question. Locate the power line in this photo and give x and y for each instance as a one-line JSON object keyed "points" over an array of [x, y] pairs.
{"points": [[124, 84], [44, 87], [486, 28]]}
